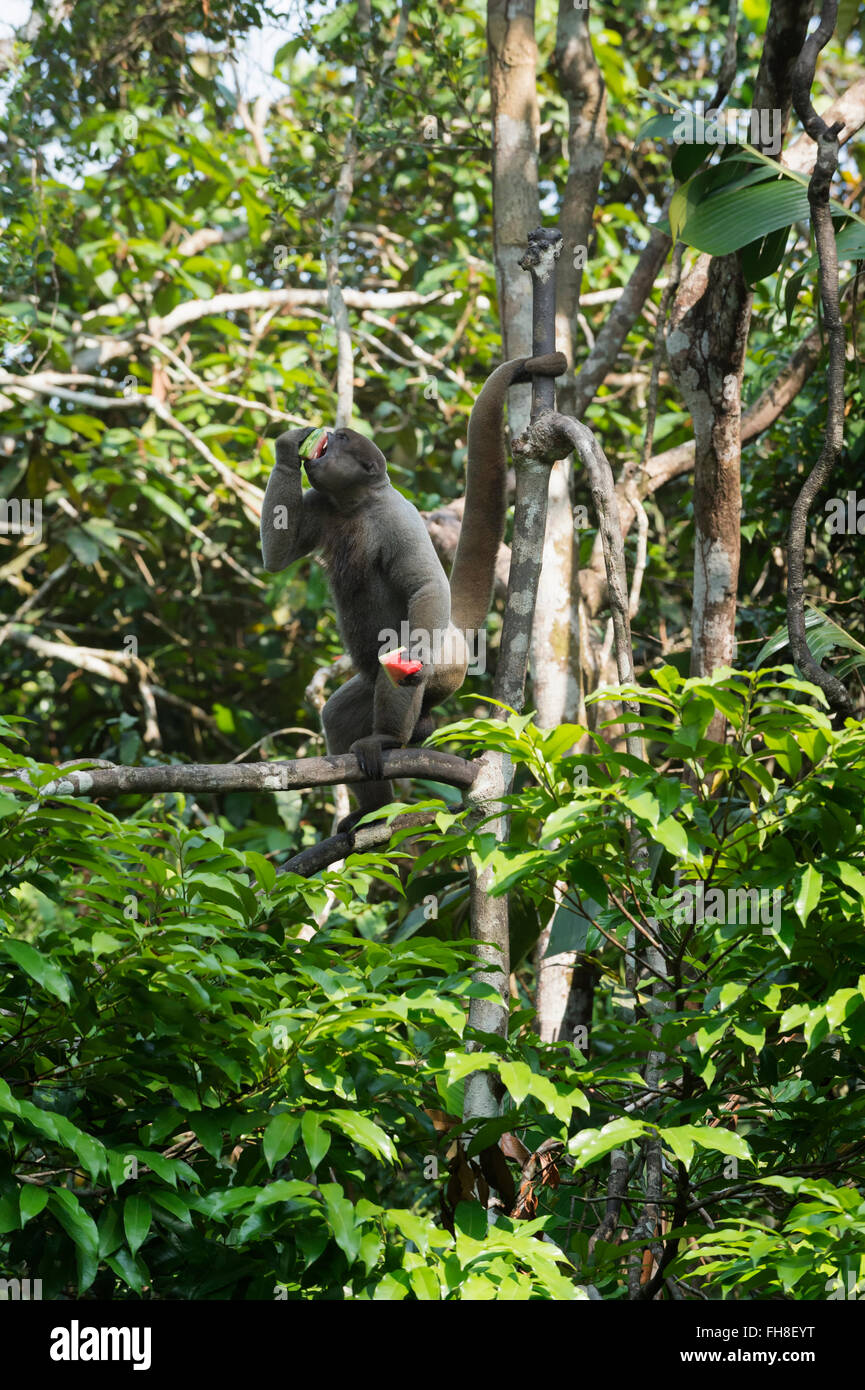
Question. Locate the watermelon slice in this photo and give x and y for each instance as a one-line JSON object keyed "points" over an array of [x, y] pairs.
{"points": [[399, 668], [314, 445]]}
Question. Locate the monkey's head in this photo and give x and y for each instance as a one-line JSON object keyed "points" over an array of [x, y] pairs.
{"points": [[345, 463]]}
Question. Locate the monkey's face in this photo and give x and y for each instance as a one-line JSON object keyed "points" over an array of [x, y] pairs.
{"points": [[345, 462]]}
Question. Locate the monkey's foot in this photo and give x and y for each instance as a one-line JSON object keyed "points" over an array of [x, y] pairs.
{"points": [[368, 752]]}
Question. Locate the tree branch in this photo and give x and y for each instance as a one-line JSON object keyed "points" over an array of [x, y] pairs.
{"points": [[283, 775], [552, 436]]}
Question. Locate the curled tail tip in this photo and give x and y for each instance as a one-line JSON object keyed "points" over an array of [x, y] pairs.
{"points": [[548, 364]]}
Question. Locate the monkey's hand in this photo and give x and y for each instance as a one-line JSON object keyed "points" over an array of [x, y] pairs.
{"points": [[288, 444], [368, 752]]}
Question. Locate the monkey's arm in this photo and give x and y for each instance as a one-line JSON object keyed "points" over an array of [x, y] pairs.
{"points": [[290, 518]]}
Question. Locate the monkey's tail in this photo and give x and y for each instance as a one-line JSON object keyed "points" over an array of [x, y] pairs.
{"points": [[474, 568]]}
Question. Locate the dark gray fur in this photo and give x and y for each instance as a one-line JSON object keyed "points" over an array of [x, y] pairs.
{"points": [[383, 570]]}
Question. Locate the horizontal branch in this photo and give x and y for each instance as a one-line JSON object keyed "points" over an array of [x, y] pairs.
{"points": [[293, 774], [241, 302], [95, 349]]}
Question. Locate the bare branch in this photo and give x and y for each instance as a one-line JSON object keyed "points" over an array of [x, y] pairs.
{"points": [[289, 775], [617, 1188], [552, 436]]}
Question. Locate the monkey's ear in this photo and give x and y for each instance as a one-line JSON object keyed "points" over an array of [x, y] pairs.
{"points": [[371, 457]]}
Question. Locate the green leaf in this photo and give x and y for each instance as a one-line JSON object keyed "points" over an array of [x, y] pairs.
{"points": [[560, 739], [570, 928], [365, 1132], [127, 1268], [175, 1204], [418, 1229], [207, 1127], [660, 127], [683, 1138], [279, 1137], [750, 1033], [316, 1139], [851, 877], [166, 504], [762, 257], [808, 894], [425, 1284], [137, 1216], [110, 1233], [521, 1082], [393, 1288], [92, 1154], [591, 1144], [824, 635], [31, 1200], [39, 968], [103, 943], [470, 1219], [461, 1064], [10, 1216], [719, 222], [8, 1102], [341, 1217], [78, 1225], [841, 1005], [262, 868], [672, 835]]}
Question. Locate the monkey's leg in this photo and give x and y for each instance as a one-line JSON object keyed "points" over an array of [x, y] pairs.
{"points": [[422, 730], [348, 716]]}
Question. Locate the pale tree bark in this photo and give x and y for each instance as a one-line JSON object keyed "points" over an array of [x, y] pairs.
{"points": [[848, 109], [583, 88], [489, 915], [512, 53], [551, 435], [555, 637], [555, 651]]}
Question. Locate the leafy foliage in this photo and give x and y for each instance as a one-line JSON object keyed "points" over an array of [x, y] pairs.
{"points": [[185, 1068]]}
